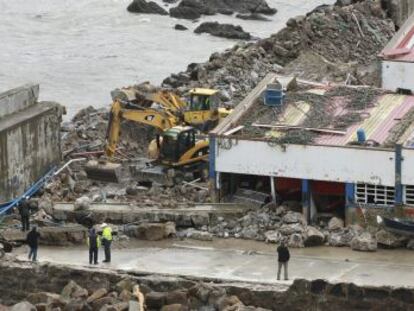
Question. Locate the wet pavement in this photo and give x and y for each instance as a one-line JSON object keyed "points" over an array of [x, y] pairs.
{"points": [[241, 265]]}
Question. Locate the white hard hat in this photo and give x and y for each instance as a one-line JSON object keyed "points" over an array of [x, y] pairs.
{"points": [[104, 225]]}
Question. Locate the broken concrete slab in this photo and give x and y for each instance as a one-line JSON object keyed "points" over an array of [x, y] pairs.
{"points": [[197, 216]]}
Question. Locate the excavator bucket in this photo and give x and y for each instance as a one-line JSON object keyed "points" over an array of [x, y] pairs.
{"points": [[105, 171]]}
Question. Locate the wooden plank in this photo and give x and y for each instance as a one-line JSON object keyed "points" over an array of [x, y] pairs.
{"points": [[289, 127], [234, 130]]}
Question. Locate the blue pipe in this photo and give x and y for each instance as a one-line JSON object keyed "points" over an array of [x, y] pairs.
{"points": [[30, 192]]}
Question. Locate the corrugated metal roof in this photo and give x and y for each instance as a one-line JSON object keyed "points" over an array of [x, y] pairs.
{"points": [[385, 114]]}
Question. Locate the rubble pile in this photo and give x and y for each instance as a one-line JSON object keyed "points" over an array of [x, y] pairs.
{"points": [[128, 295], [341, 43]]}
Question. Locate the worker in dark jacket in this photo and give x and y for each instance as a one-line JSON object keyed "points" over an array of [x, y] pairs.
{"points": [[24, 211], [283, 259], [94, 242], [33, 242]]}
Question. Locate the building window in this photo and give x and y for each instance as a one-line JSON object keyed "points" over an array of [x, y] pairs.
{"points": [[374, 194], [408, 195]]}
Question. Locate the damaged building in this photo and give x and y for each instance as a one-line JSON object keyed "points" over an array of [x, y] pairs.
{"points": [[332, 148], [29, 139]]}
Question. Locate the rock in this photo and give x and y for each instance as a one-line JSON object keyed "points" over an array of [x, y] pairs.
{"points": [[82, 203], [142, 6], [364, 242], [177, 297], [151, 231], [228, 301], [335, 223], [123, 306], [288, 229], [97, 294], [295, 21], [180, 27], [70, 289], [99, 303], [155, 300], [50, 299], [296, 241], [313, 237], [125, 285], [294, 217], [387, 239], [46, 205], [23, 306], [125, 295], [341, 238], [197, 235], [272, 236], [252, 16], [249, 233], [174, 307], [131, 190], [76, 305], [223, 30], [193, 9], [410, 244]]}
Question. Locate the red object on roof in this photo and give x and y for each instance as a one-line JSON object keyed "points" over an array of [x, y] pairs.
{"points": [[401, 46]]}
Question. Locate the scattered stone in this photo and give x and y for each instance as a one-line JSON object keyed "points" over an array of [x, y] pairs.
{"points": [[335, 223], [294, 217], [223, 30], [70, 289], [82, 203], [296, 241], [314, 237], [387, 239], [364, 242], [180, 27], [142, 6], [97, 294], [23, 306]]}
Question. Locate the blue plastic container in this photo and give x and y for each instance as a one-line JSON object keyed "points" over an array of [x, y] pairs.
{"points": [[273, 96], [361, 136]]}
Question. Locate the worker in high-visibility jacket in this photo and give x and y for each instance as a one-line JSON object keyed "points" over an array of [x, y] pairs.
{"points": [[107, 241]]}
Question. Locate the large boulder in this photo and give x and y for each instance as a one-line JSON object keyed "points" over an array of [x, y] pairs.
{"points": [[223, 30], [288, 229], [151, 231], [364, 242], [314, 237], [97, 295], [387, 239], [193, 9], [23, 306], [82, 203], [341, 238], [253, 17], [50, 299], [272, 236], [296, 241], [142, 6], [294, 217], [197, 235], [71, 289], [335, 223]]}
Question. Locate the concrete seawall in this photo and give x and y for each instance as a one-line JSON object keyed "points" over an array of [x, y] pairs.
{"points": [[29, 139], [20, 279]]}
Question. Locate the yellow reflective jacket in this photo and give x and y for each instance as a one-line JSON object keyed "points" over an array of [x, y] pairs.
{"points": [[107, 233]]}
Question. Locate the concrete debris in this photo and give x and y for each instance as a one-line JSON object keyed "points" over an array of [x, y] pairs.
{"points": [[335, 224], [364, 242], [195, 235], [151, 231], [387, 239]]}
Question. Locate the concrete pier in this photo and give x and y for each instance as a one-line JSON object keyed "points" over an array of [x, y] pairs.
{"points": [[29, 139]]}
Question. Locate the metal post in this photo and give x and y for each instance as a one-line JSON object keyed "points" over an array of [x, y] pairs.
{"points": [[306, 199], [398, 185], [273, 188]]}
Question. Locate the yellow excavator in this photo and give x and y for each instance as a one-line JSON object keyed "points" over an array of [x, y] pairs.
{"points": [[175, 151]]}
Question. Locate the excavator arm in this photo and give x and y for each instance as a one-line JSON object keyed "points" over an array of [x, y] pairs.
{"points": [[158, 119]]}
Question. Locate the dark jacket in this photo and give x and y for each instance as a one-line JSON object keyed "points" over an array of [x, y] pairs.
{"points": [[94, 241], [24, 208], [33, 238], [283, 254]]}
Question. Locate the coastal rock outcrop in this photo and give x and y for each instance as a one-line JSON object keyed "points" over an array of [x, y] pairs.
{"points": [[223, 30]]}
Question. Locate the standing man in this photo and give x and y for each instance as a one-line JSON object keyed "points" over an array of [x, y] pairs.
{"points": [[24, 211], [283, 259], [94, 242], [33, 242], [106, 241]]}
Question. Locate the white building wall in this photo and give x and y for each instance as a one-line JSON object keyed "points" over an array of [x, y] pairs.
{"points": [[341, 164], [407, 167], [397, 75]]}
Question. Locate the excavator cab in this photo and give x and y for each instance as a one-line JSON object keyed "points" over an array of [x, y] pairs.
{"points": [[176, 142], [203, 109]]}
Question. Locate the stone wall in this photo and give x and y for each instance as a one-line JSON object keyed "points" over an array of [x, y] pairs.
{"points": [[20, 279], [29, 139]]}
